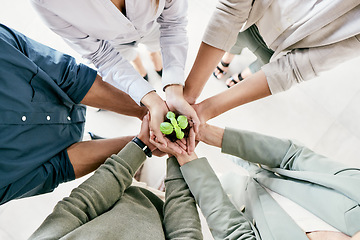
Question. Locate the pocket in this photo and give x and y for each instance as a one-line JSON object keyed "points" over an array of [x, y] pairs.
{"points": [[42, 90], [46, 90]]}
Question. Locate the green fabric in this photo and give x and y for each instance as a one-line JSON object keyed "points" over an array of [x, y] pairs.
{"points": [[180, 206], [326, 188], [224, 221], [251, 39], [105, 206]]}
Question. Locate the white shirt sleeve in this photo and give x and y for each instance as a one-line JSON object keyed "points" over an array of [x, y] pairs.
{"points": [[114, 69], [173, 41], [304, 64]]}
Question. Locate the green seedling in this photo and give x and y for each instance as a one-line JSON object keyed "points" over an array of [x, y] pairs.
{"points": [[174, 125]]}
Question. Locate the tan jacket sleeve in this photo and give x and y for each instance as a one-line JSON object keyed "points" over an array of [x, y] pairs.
{"points": [[226, 22], [307, 63]]}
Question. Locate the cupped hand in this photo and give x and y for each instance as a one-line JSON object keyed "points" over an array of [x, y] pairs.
{"points": [[144, 134], [172, 149], [158, 110], [177, 103]]}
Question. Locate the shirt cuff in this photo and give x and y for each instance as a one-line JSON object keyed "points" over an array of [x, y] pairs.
{"points": [[173, 75], [195, 169], [230, 140], [138, 89], [173, 169]]}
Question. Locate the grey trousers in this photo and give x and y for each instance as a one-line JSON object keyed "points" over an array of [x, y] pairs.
{"points": [[251, 39]]}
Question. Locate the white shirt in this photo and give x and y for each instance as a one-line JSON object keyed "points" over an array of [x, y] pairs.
{"points": [[94, 27]]}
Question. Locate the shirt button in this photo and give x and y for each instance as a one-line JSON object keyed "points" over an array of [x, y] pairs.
{"points": [[68, 118], [48, 118], [23, 118]]}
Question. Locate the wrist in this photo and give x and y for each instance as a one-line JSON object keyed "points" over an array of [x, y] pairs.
{"points": [[190, 98], [185, 158], [212, 135], [174, 91], [151, 99], [143, 146]]}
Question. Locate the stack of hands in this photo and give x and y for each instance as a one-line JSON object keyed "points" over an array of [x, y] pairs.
{"points": [[150, 132]]}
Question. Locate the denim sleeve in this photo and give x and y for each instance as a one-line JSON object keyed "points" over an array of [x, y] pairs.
{"points": [[74, 79]]}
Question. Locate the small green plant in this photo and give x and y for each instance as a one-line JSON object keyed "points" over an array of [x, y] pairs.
{"points": [[176, 125]]}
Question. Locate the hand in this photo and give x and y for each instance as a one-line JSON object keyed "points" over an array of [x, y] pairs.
{"points": [[158, 110], [144, 134], [171, 149], [176, 102]]}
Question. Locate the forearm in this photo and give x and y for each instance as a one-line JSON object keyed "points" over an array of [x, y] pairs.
{"points": [[87, 156], [207, 59], [105, 96], [250, 89], [304, 64], [211, 135], [181, 218]]}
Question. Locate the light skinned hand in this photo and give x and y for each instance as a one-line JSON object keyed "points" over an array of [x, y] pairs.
{"points": [[158, 110], [177, 103], [171, 149], [144, 134], [178, 147]]}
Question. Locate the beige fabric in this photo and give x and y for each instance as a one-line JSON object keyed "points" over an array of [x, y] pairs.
{"points": [[312, 42]]}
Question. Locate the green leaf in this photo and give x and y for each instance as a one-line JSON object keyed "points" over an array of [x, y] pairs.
{"points": [[166, 128], [182, 121], [179, 133], [170, 115]]}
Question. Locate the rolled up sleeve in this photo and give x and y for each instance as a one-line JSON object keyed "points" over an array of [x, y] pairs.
{"points": [[112, 66], [174, 41], [226, 22], [304, 64]]}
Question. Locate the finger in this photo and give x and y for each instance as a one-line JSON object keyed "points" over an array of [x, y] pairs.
{"points": [[191, 141], [176, 148], [196, 123], [145, 122], [160, 138], [183, 140], [182, 144]]}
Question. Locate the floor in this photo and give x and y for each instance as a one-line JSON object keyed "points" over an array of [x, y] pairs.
{"points": [[322, 113]]}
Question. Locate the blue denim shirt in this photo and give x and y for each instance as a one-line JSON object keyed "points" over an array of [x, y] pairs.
{"points": [[40, 114]]}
